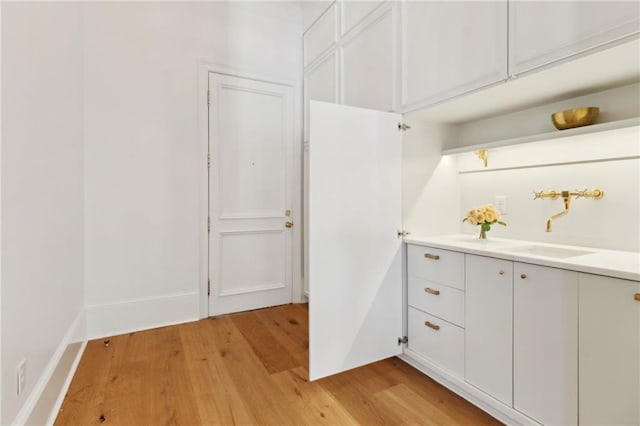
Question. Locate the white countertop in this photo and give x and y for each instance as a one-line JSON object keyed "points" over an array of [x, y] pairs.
{"points": [[612, 263]]}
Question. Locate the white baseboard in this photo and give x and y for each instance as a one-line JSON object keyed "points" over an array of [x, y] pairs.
{"points": [[127, 316], [75, 333], [475, 396]]}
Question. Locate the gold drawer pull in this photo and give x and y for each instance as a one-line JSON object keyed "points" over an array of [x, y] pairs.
{"points": [[431, 256], [432, 325], [432, 291], [637, 297]]}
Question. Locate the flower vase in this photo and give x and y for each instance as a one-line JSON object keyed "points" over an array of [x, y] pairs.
{"points": [[483, 234]]}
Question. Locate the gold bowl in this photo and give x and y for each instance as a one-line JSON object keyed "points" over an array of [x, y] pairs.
{"points": [[576, 117]]}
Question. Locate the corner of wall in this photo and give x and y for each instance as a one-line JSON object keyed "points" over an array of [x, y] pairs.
{"points": [[44, 401]]}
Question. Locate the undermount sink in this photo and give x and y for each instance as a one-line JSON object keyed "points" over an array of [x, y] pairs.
{"points": [[557, 252]]}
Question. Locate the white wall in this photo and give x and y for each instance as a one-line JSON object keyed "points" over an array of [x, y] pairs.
{"points": [[610, 223], [42, 192], [144, 156]]}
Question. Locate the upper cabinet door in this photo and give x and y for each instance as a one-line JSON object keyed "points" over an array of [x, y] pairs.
{"points": [[320, 85], [367, 58], [451, 48], [353, 12], [321, 36], [541, 32], [355, 256]]}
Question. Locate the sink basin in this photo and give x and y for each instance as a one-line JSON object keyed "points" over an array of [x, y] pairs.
{"points": [[557, 252]]}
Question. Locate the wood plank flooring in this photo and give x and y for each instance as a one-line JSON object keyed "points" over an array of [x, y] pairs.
{"points": [[246, 368]]}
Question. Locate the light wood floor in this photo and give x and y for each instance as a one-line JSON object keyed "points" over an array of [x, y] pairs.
{"points": [[246, 368]]}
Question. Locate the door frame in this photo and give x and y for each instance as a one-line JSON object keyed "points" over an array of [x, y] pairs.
{"points": [[204, 68]]}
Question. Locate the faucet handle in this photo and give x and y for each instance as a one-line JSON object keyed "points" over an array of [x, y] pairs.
{"points": [[537, 195], [580, 194]]}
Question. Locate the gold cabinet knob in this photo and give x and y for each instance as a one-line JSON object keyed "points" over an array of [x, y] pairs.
{"points": [[288, 224], [523, 276], [501, 272], [636, 297]]}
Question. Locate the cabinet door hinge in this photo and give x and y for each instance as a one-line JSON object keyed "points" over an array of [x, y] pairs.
{"points": [[403, 339], [208, 96], [402, 233], [208, 287], [403, 127], [209, 224], [208, 161]]}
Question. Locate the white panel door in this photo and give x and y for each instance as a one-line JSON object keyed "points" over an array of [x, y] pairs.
{"points": [[545, 343], [609, 364], [355, 256], [251, 143]]}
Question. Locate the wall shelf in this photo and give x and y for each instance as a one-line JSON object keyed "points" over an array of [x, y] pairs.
{"points": [[595, 128]]}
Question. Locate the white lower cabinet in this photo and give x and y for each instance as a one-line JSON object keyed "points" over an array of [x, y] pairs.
{"points": [[530, 344], [489, 326], [609, 350], [545, 343], [549, 345]]}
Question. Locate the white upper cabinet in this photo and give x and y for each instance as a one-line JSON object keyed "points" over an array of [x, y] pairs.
{"points": [[609, 351], [367, 55], [541, 32], [321, 36], [320, 85], [311, 11], [355, 11], [451, 48]]}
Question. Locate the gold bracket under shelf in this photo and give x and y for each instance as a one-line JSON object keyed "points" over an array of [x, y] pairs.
{"points": [[483, 154]]}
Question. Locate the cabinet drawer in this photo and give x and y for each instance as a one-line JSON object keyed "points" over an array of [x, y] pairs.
{"points": [[444, 346], [436, 265], [437, 299]]}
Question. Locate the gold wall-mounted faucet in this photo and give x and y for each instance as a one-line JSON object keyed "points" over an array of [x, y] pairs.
{"points": [[566, 198]]}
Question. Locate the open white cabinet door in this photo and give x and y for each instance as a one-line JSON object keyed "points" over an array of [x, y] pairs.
{"points": [[355, 255]]}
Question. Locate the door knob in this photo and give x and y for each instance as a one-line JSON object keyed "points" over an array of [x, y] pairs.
{"points": [[288, 224]]}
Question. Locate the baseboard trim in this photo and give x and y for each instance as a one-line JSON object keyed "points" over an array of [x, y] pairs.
{"points": [[474, 395], [75, 333], [110, 319]]}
